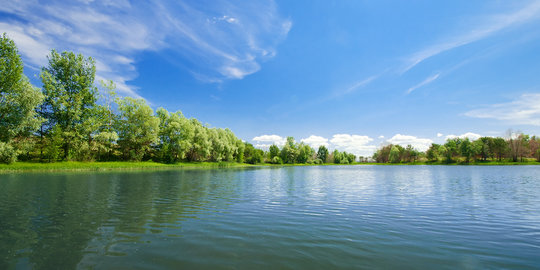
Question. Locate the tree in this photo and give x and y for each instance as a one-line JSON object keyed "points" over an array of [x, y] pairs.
{"points": [[289, 152], [432, 153], [273, 151], [499, 147], [137, 127], [322, 153], [18, 100], [305, 153], [394, 155], [70, 97]]}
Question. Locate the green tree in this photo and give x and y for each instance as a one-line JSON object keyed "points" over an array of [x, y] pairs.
{"points": [[499, 147], [137, 128], [289, 152], [70, 97], [394, 155], [433, 152], [322, 153], [273, 151], [18, 100], [305, 153]]}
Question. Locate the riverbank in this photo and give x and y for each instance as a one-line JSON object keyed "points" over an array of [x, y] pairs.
{"points": [[111, 165], [150, 165]]}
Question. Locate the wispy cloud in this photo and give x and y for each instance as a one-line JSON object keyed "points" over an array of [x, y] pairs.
{"points": [[428, 80], [219, 39], [524, 110], [483, 30], [357, 85]]}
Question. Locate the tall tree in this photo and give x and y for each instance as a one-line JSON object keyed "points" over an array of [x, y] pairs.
{"points": [[322, 153], [137, 128], [18, 100], [70, 97]]}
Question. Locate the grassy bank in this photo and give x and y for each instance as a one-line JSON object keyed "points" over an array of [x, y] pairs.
{"points": [[106, 166], [150, 165]]}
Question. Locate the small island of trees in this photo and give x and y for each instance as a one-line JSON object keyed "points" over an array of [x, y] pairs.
{"points": [[69, 119]]}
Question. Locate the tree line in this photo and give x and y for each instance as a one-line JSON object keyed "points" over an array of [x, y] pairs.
{"points": [[516, 147], [69, 119]]}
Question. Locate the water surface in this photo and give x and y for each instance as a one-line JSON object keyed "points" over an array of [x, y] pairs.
{"points": [[347, 217]]}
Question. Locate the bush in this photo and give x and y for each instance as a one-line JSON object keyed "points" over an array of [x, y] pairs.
{"points": [[8, 154], [277, 160]]}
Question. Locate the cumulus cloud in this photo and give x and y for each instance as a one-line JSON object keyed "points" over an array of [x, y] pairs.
{"points": [[470, 135], [381, 137], [315, 141], [404, 140], [356, 144], [525, 110], [220, 39], [265, 141], [439, 135]]}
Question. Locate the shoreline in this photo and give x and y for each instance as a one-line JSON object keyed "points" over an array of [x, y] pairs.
{"points": [[72, 166]]}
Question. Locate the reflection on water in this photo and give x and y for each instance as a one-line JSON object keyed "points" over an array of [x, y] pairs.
{"points": [[292, 217]]}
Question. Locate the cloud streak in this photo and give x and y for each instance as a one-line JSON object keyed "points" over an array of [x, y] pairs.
{"points": [[220, 40], [524, 110], [488, 28], [428, 80]]}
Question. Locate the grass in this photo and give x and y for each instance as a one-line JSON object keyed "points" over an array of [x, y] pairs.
{"points": [[111, 165], [150, 165]]}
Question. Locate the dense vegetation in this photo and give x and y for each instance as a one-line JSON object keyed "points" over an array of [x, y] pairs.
{"points": [[517, 147], [71, 120]]}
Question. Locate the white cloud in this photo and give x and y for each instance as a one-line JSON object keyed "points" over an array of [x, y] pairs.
{"points": [[230, 46], [315, 141], [356, 144], [525, 110], [478, 32], [439, 135], [424, 82], [265, 141], [470, 135], [381, 137], [404, 140]]}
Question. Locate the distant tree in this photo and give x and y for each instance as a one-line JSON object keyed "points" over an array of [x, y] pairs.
{"points": [[18, 101], [432, 153], [322, 153], [499, 147], [289, 152], [274, 151], [305, 153], [394, 155], [137, 127]]}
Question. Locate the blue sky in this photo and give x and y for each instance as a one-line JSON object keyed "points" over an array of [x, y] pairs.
{"points": [[352, 75]]}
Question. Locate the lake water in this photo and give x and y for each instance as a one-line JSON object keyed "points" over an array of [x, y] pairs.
{"points": [[326, 217]]}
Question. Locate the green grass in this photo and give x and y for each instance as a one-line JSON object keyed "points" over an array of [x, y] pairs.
{"points": [[150, 165], [106, 166]]}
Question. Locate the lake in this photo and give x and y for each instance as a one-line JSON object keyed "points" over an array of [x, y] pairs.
{"points": [[320, 217]]}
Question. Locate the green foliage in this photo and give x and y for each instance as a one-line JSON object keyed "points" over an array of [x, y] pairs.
{"points": [[18, 98], [322, 153], [273, 151], [8, 154], [137, 128], [432, 153], [70, 98]]}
